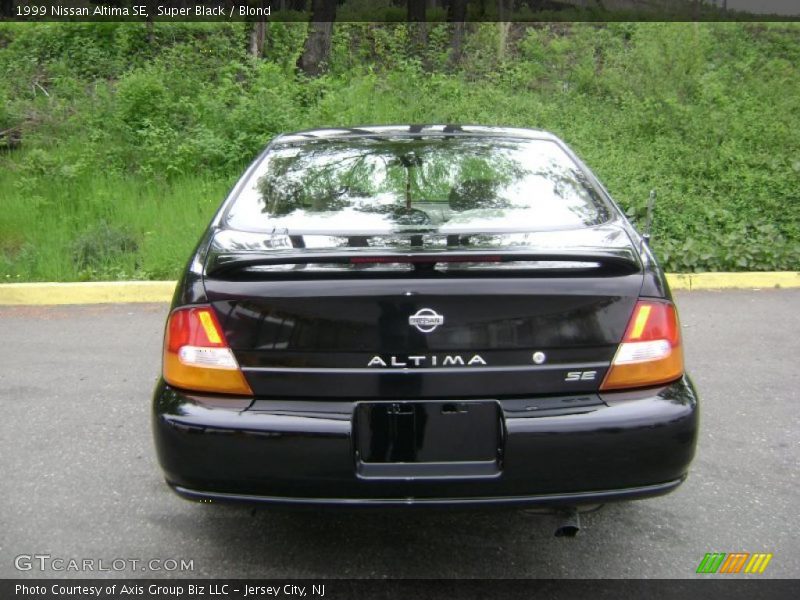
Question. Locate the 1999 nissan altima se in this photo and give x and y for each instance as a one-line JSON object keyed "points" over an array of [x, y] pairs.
{"points": [[423, 315]]}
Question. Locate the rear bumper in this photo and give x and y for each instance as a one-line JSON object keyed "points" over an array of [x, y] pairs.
{"points": [[545, 500], [556, 451]]}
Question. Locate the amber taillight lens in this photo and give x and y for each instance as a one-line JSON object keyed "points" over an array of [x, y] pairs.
{"points": [[650, 353], [196, 355]]}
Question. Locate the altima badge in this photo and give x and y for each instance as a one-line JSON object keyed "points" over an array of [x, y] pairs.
{"points": [[426, 320]]}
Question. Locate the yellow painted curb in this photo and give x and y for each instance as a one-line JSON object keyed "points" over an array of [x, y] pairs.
{"points": [[726, 281], [161, 291], [86, 293]]}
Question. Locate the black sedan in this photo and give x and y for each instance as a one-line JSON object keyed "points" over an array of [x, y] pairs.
{"points": [[423, 315]]}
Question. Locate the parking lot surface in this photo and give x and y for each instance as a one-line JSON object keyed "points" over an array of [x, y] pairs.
{"points": [[79, 479]]}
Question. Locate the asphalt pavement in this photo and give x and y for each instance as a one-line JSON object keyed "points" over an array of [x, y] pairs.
{"points": [[79, 479]]}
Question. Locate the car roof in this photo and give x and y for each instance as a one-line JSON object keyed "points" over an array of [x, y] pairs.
{"points": [[389, 131]]}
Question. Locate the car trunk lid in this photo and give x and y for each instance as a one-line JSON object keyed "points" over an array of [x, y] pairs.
{"points": [[366, 322]]}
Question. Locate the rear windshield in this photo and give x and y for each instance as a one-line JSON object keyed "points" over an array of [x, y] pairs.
{"points": [[445, 185]]}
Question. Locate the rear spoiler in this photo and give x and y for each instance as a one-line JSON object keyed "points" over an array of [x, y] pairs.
{"points": [[605, 262]]}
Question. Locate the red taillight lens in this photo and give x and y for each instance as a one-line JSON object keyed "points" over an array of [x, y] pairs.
{"points": [[196, 355], [650, 352]]}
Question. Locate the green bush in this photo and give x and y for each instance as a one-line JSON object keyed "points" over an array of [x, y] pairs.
{"points": [[100, 250]]}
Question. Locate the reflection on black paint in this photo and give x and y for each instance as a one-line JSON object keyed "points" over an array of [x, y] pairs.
{"points": [[397, 432], [397, 429]]}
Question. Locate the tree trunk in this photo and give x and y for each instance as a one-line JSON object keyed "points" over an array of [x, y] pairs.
{"points": [[317, 48], [503, 27], [416, 11], [457, 14], [419, 28], [258, 32], [257, 35], [148, 23]]}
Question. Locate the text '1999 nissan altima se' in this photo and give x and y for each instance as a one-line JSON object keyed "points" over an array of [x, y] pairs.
{"points": [[423, 315]]}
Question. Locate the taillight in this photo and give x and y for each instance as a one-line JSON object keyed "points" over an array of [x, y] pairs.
{"points": [[650, 352], [196, 355]]}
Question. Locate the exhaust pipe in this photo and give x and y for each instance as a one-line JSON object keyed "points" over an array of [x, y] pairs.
{"points": [[570, 523]]}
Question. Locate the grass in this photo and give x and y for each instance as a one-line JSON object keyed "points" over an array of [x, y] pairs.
{"points": [[103, 227]]}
